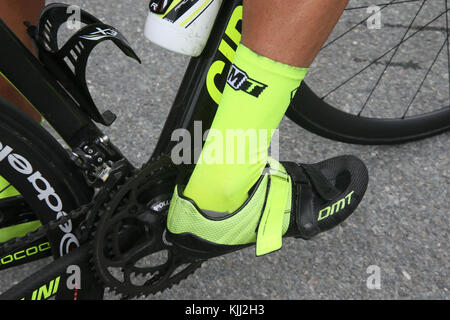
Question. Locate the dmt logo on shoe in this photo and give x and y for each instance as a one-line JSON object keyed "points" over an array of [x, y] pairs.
{"points": [[335, 207]]}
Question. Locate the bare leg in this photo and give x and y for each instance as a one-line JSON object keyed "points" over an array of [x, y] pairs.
{"points": [[289, 31], [14, 13]]}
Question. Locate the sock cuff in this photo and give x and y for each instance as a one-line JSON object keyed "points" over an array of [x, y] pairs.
{"points": [[253, 59]]}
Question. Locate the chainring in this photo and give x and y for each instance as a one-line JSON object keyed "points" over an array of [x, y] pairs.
{"points": [[130, 252]]}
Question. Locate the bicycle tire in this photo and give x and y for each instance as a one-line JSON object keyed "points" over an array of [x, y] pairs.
{"points": [[317, 116], [36, 153], [365, 65]]}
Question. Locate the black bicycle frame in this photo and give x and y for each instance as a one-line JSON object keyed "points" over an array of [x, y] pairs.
{"points": [[196, 102], [205, 78], [23, 70]]}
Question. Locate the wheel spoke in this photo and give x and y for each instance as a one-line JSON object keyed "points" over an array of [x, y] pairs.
{"points": [[381, 4], [401, 94], [390, 60], [384, 54], [353, 27], [448, 49], [425, 77]]}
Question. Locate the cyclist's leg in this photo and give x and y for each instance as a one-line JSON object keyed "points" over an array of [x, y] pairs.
{"points": [[14, 13], [226, 204], [289, 34]]}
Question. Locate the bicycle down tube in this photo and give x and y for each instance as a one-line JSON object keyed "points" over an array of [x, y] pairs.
{"points": [[200, 92]]}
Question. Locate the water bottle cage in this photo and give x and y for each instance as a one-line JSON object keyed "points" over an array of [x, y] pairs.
{"points": [[68, 63]]}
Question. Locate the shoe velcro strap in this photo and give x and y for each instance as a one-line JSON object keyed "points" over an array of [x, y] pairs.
{"points": [[269, 236], [322, 185]]}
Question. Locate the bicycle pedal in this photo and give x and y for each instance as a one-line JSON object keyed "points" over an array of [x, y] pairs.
{"points": [[68, 63]]}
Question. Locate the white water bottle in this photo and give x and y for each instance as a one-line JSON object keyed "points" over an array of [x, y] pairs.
{"points": [[181, 26]]}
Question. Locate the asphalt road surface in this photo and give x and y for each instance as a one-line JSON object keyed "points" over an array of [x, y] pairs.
{"points": [[400, 229]]}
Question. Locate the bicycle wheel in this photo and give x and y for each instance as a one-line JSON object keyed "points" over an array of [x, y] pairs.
{"points": [[382, 77], [37, 166]]}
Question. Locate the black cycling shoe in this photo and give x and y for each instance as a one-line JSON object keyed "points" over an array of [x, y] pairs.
{"points": [[289, 200], [325, 194]]}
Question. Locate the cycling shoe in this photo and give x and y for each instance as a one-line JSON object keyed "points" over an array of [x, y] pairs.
{"points": [[325, 193], [289, 200]]}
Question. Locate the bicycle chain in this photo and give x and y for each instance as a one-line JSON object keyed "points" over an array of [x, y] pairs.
{"points": [[93, 213], [106, 246], [16, 243], [84, 210]]}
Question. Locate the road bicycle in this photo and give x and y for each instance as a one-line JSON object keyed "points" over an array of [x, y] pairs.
{"points": [[102, 219]]}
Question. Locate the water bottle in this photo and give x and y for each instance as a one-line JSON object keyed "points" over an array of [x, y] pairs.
{"points": [[182, 26]]}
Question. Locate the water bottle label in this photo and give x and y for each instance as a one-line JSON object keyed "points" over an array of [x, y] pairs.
{"points": [[184, 26], [159, 6]]}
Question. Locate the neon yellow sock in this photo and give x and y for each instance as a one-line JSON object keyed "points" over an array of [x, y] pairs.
{"points": [[257, 95]]}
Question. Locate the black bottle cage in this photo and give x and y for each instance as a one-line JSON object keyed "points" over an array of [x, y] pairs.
{"points": [[68, 64]]}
